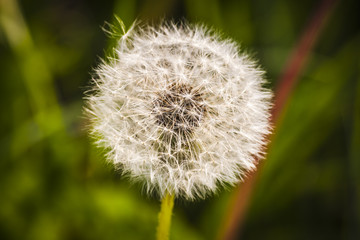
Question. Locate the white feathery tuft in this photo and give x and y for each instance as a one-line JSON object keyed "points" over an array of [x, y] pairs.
{"points": [[180, 110]]}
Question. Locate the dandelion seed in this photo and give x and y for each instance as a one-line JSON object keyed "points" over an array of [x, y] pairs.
{"points": [[180, 110]]}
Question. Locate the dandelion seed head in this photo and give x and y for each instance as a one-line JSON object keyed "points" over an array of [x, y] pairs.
{"points": [[180, 110]]}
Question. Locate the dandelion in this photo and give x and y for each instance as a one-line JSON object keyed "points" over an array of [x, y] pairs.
{"points": [[180, 110]]}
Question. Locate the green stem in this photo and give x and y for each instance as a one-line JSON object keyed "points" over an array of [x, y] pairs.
{"points": [[163, 228], [37, 77]]}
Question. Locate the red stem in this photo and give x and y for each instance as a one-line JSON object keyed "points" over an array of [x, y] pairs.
{"points": [[300, 55], [295, 64]]}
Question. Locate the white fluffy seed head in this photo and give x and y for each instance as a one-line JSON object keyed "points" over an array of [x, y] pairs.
{"points": [[180, 110]]}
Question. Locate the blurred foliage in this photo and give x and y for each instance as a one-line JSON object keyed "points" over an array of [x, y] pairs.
{"points": [[55, 185]]}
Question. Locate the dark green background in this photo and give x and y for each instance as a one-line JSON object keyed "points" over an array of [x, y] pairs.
{"points": [[54, 184]]}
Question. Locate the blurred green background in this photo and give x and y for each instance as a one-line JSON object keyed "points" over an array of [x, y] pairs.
{"points": [[54, 184]]}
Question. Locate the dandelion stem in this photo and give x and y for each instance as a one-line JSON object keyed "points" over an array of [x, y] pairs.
{"points": [[163, 228]]}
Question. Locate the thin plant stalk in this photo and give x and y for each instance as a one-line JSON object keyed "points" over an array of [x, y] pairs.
{"points": [[163, 228], [43, 102], [237, 208]]}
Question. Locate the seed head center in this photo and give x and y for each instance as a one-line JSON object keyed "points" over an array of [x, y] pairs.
{"points": [[180, 108]]}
